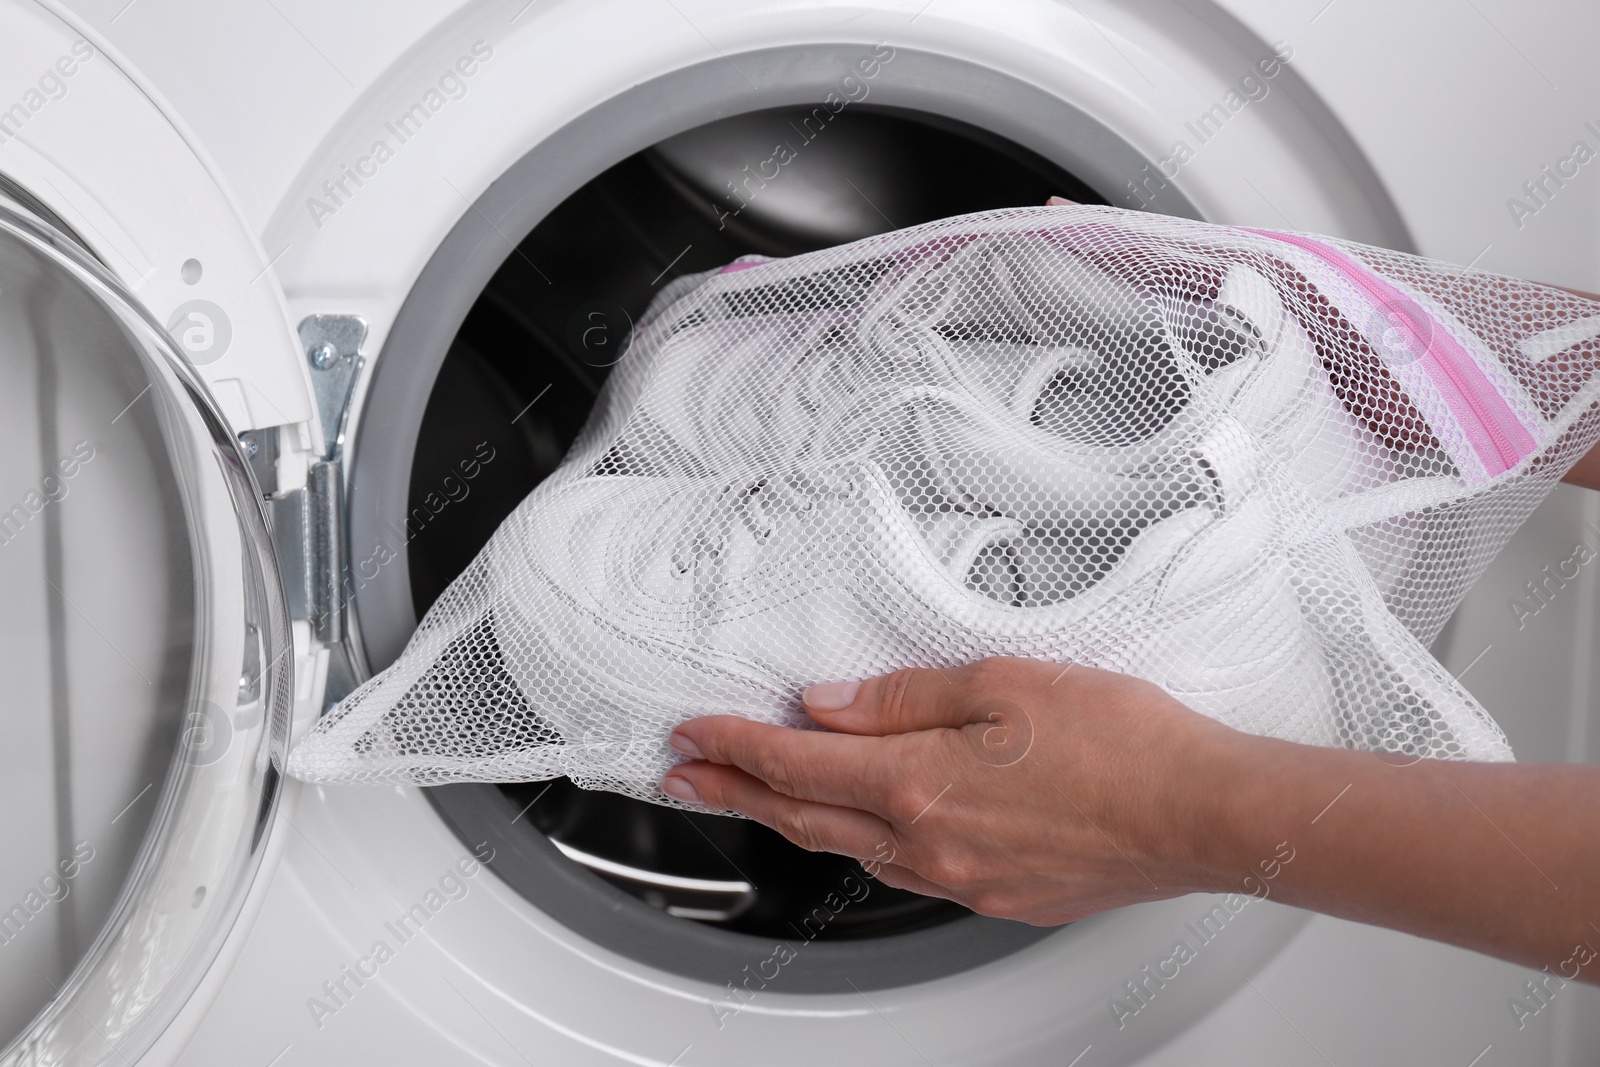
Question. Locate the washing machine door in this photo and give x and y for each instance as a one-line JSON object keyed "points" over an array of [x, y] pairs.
{"points": [[145, 662]]}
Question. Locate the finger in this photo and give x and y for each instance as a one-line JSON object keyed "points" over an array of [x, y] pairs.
{"points": [[812, 826], [912, 699], [812, 765]]}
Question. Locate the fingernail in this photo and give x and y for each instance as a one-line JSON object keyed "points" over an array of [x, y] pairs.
{"points": [[685, 747], [832, 696], [679, 789]]}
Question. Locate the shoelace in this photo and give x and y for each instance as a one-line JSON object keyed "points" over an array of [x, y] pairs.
{"points": [[831, 403]]}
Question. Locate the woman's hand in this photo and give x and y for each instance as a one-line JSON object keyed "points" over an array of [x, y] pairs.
{"points": [[1015, 787], [1029, 791]]}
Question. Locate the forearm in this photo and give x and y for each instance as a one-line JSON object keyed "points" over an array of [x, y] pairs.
{"points": [[1499, 858]]}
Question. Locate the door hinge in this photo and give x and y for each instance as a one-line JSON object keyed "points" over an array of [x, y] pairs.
{"points": [[308, 523], [332, 346], [308, 526]]}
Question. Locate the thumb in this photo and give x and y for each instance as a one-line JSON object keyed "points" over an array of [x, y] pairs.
{"points": [[912, 699]]}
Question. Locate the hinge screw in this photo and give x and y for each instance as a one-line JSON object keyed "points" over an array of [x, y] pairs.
{"points": [[324, 355]]}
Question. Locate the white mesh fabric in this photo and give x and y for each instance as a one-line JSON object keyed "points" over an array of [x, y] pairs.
{"points": [[1259, 469]]}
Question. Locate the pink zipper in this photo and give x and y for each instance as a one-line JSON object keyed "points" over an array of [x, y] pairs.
{"points": [[1493, 429]]}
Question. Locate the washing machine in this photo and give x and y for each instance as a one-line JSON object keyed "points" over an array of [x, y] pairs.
{"points": [[298, 300]]}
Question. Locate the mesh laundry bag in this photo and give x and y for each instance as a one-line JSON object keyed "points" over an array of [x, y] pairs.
{"points": [[1257, 468]]}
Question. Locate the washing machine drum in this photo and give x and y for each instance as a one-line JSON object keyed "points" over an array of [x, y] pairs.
{"points": [[1259, 468], [143, 658]]}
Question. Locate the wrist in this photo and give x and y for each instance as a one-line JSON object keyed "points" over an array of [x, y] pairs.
{"points": [[1222, 808]]}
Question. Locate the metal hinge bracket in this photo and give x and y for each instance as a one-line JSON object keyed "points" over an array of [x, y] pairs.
{"points": [[308, 523]]}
